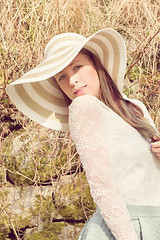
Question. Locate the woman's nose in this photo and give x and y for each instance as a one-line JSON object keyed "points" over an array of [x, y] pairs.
{"points": [[73, 79]]}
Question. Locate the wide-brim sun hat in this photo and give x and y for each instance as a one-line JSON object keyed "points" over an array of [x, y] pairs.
{"points": [[38, 95]]}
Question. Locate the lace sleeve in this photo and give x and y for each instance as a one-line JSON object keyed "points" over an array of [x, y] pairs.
{"points": [[88, 131]]}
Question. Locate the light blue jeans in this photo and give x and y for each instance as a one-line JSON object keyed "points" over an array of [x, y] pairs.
{"points": [[145, 219]]}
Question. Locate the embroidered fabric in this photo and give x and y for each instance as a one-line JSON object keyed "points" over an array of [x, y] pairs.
{"points": [[89, 131]]}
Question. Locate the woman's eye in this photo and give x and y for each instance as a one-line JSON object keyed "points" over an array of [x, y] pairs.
{"points": [[61, 77], [77, 67]]}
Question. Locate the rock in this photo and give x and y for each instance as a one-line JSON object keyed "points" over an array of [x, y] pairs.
{"points": [[34, 157], [44, 191], [32, 211]]}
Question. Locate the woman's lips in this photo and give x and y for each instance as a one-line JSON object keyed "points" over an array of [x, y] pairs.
{"points": [[80, 90]]}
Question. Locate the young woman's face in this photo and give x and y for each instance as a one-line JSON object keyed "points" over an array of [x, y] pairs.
{"points": [[79, 78]]}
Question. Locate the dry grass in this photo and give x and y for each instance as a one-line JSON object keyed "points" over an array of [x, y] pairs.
{"points": [[139, 23], [27, 25]]}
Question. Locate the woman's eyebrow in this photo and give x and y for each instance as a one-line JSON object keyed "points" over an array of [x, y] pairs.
{"points": [[73, 63]]}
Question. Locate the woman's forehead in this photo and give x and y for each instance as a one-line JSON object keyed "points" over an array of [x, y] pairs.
{"points": [[81, 57]]}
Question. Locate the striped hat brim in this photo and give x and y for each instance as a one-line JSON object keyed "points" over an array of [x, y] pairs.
{"points": [[37, 94]]}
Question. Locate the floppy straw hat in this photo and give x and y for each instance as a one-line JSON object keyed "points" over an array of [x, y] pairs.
{"points": [[37, 94]]}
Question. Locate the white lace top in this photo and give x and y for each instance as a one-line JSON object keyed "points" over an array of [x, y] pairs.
{"points": [[118, 162]]}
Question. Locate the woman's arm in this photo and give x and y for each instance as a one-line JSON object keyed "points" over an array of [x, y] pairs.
{"points": [[88, 130]]}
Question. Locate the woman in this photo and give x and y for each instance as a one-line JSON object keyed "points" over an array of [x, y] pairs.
{"points": [[115, 137]]}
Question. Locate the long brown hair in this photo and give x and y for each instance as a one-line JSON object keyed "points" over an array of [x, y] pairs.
{"points": [[111, 96]]}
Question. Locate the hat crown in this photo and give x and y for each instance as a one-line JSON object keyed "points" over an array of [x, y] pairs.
{"points": [[61, 42]]}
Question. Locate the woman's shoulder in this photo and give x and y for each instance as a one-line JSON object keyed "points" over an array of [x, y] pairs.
{"points": [[86, 102], [85, 99], [87, 108], [87, 118], [143, 107], [135, 101]]}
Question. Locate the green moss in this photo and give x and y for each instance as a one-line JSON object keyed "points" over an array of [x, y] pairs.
{"points": [[65, 160], [39, 163], [62, 209], [8, 219], [31, 158], [43, 208], [4, 215], [21, 222], [55, 231], [23, 162], [2, 176], [79, 200], [4, 231], [50, 231]]}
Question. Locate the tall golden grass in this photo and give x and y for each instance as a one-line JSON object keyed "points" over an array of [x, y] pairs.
{"points": [[27, 25]]}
